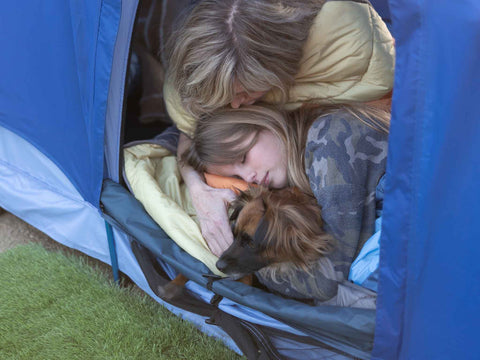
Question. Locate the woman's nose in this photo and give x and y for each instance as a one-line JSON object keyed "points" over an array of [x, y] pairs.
{"points": [[237, 101]]}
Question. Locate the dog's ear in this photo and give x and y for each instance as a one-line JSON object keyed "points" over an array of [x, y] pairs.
{"points": [[244, 198], [235, 212], [237, 205], [296, 228]]}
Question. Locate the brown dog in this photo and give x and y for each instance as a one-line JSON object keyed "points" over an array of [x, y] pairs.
{"points": [[272, 228]]}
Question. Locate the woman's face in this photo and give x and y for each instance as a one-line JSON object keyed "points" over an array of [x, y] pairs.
{"points": [[265, 163], [242, 97]]}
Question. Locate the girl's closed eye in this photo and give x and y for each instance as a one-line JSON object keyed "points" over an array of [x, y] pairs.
{"points": [[244, 158]]}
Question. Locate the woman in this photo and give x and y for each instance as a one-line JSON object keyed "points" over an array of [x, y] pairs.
{"points": [[336, 154], [235, 52]]}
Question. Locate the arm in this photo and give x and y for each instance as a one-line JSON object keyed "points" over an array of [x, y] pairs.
{"points": [[209, 203], [344, 160]]}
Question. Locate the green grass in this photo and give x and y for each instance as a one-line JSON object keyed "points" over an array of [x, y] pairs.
{"points": [[54, 306]]}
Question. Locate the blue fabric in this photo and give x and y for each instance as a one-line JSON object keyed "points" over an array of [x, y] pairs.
{"points": [[429, 266], [364, 269], [383, 9], [55, 70], [347, 329], [366, 263]]}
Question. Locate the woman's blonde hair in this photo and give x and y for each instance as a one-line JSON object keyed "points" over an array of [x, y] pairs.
{"points": [[256, 43], [221, 137]]}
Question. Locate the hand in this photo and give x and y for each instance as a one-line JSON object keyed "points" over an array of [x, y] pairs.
{"points": [[211, 207], [209, 203]]}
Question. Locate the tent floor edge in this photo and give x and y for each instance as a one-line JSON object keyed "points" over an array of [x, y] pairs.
{"points": [[249, 344]]}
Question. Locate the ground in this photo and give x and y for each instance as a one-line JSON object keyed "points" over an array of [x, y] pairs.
{"points": [[14, 231]]}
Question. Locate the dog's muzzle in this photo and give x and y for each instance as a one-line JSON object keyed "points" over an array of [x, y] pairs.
{"points": [[244, 256]]}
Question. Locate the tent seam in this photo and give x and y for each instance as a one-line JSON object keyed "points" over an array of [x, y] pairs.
{"points": [[46, 185]]}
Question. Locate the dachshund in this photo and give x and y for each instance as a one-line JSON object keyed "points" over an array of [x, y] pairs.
{"points": [[274, 229], [271, 228]]}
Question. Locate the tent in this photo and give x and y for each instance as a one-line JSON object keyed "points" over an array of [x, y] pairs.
{"points": [[63, 68]]}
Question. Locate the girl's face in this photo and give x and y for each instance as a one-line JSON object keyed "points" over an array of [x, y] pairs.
{"points": [[242, 97], [265, 163]]}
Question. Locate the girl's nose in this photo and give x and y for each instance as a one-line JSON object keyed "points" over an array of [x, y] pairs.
{"points": [[251, 177], [247, 174]]}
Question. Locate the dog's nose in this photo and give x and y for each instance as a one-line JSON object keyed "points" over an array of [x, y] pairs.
{"points": [[221, 265]]}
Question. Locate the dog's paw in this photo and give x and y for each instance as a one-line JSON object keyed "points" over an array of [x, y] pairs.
{"points": [[170, 291]]}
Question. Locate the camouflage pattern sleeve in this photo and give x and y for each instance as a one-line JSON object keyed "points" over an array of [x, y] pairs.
{"points": [[319, 283], [344, 161]]}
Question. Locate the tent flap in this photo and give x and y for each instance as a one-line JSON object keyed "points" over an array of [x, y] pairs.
{"points": [[429, 289], [55, 71]]}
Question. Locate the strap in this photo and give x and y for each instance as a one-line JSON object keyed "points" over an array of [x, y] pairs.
{"points": [[247, 342], [249, 339], [157, 279], [210, 279]]}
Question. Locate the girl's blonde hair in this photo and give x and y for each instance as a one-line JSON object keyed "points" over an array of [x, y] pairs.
{"points": [[221, 137], [256, 43]]}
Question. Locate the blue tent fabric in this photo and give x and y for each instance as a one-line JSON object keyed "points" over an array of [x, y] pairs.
{"points": [[55, 73], [347, 329], [55, 77], [428, 306], [383, 9]]}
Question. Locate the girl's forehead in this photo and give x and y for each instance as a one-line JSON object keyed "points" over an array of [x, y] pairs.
{"points": [[240, 142]]}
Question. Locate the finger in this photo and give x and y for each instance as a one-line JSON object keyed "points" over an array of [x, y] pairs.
{"points": [[219, 245], [228, 195], [220, 240], [226, 239], [213, 239], [216, 248]]}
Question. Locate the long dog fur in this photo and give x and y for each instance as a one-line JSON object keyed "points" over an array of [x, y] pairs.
{"points": [[294, 237]]}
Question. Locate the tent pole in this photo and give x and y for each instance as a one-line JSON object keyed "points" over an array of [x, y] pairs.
{"points": [[113, 253]]}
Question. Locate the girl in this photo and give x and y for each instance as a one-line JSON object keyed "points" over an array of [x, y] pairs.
{"points": [[336, 154], [234, 52]]}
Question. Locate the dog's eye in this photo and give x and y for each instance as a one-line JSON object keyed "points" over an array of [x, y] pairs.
{"points": [[246, 240], [232, 227], [235, 213]]}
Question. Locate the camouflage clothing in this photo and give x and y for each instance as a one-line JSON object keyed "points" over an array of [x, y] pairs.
{"points": [[344, 161]]}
